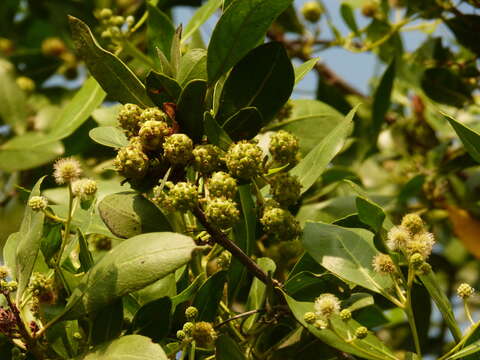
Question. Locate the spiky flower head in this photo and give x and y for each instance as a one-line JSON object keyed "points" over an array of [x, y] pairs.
{"points": [[188, 327], [222, 184], [162, 199], [222, 213], [312, 11], [284, 147], [178, 149], [421, 244], [361, 332], [152, 134], [131, 162], [345, 314], [181, 335], [285, 189], [398, 237], [309, 317], [413, 224], [129, 119], [184, 196], [204, 334], [326, 305], [191, 313], [465, 291], [383, 264], [66, 170], [84, 188], [280, 223], [206, 158], [244, 160], [38, 203], [153, 114], [4, 272]]}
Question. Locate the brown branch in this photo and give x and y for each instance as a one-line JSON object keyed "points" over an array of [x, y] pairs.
{"points": [[221, 239], [239, 316]]}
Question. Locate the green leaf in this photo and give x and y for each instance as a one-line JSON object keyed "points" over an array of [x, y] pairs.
{"points": [[51, 240], [84, 256], [78, 109], [469, 137], [215, 134], [467, 350], [153, 319], [209, 295], [348, 253], [189, 291], [255, 82], [160, 31], [175, 51], [108, 323], [29, 150], [304, 68], [29, 240], [442, 302], [311, 121], [312, 166], [9, 253], [227, 349], [161, 288], [348, 17], [13, 107], [110, 136], [241, 27], [162, 88], [370, 213], [127, 348], [245, 124], [190, 109], [443, 86], [369, 348], [130, 266], [465, 28], [193, 66], [381, 100], [127, 214], [305, 286], [113, 75], [200, 16]]}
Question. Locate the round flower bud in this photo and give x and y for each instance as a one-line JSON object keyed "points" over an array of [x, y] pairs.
{"points": [[53, 46], [281, 223], [285, 189], [191, 313], [204, 334], [37, 203], [321, 324], [383, 264], [6, 46], [66, 170], [105, 13], [206, 158], [188, 328], [424, 269], [309, 317], [369, 9], [84, 188], [129, 119], [398, 238], [312, 11], [181, 335], [326, 305], [164, 201], [421, 244], [26, 84], [284, 147], [4, 272], [153, 114], [131, 162], [465, 291], [184, 196], [222, 184], [178, 149], [361, 332], [416, 260], [222, 213], [152, 134], [413, 223], [244, 160], [345, 314]]}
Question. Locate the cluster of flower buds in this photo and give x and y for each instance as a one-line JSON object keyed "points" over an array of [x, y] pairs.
{"points": [[42, 288], [114, 27], [201, 332]]}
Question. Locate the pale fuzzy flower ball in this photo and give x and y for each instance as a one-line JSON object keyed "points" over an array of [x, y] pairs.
{"points": [[421, 244], [383, 264], [326, 305], [66, 170], [84, 188], [398, 238]]}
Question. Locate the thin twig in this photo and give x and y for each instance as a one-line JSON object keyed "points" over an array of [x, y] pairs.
{"points": [[239, 316]]}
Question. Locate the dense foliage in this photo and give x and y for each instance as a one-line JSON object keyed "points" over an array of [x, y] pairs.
{"points": [[163, 197]]}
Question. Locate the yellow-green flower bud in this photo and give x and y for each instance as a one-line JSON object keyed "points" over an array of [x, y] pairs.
{"points": [[152, 134], [465, 291], [222, 213], [181, 335], [84, 188], [361, 332], [206, 158], [131, 162], [309, 317], [244, 160], [284, 147], [413, 224], [26, 84], [105, 14], [38, 203], [204, 334], [129, 119], [285, 189], [312, 11], [53, 46], [153, 114], [222, 184], [191, 313], [184, 196], [321, 324], [188, 328], [369, 9], [280, 223], [178, 149], [416, 260], [345, 314]]}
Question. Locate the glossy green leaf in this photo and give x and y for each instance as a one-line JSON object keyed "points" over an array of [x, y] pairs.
{"points": [[190, 109], [200, 16], [466, 27], [241, 27], [161, 288], [304, 68], [227, 349], [442, 302], [215, 134], [153, 319], [127, 214], [108, 323], [209, 295], [13, 109], [162, 88], [245, 124], [254, 82], [84, 256], [348, 253], [305, 286], [130, 266], [160, 31], [444, 86], [110, 136], [348, 17], [29, 150], [51, 240], [381, 100], [466, 351], [189, 291], [29, 240], [314, 163], [78, 109], [469, 137], [175, 51], [113, 75], [370, 213], [369, 348], [127, 348], [10, 252], [193, 66]]}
